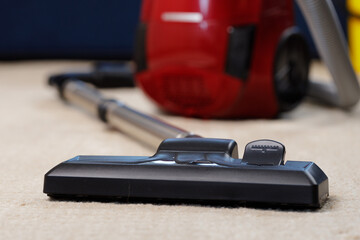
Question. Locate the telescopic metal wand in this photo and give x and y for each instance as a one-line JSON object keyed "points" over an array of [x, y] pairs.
{"points": [[147, 129]]}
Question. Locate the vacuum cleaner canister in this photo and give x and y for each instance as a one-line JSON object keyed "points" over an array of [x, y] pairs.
{"points": [[239, 59]]}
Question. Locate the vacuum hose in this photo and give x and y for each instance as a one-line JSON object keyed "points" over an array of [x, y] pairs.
{"points": [[321, 17]]}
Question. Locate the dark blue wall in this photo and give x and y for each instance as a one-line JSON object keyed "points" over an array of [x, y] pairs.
{"points": [[67, 28]]}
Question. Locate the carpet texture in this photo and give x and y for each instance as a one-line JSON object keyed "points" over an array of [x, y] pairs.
{"points": [[38, 131]]}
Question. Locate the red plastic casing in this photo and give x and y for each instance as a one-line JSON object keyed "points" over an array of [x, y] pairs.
{"points": [[185, 59]]}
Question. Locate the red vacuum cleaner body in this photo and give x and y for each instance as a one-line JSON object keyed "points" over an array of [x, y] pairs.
{"points": [[221, 59]]}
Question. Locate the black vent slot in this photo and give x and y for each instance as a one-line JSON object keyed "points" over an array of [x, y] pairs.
{"points": [[240, 50]]}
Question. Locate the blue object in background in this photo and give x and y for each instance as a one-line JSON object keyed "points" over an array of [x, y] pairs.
{"points": [[68, 29], [340, 6]]}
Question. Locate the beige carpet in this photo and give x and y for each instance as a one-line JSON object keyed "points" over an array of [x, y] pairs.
{"points": [[38, 132]]}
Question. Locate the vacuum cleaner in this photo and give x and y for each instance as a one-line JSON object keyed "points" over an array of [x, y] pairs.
{"points": [[185, 165]]}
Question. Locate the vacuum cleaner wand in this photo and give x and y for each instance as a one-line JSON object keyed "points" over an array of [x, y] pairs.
{"points": [[146, 129]]}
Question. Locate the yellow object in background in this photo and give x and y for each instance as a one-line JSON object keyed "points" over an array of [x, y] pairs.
{"points": [[353, 7]]}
